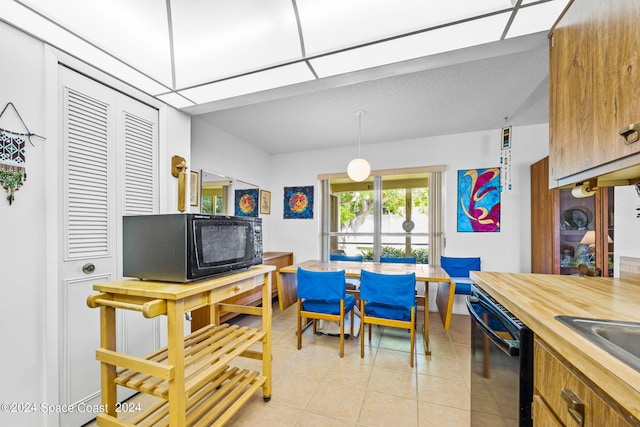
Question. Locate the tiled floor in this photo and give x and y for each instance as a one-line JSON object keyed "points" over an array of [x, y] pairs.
{"points": [[315, 387]]}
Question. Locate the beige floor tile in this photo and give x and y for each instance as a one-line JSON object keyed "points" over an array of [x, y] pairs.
{"points": [[315, 387], [380, 409], [432, 415], [391, 381], [266, 414], [293, 390], [443, 391], [441, 367], [309, 419], [393, 359], [337, 400]]}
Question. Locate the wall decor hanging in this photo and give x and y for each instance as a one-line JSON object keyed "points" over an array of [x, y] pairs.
{"points": [[12, 156], [298, 202], [246, 202], [479, 200], [505, 158], [265, 202]]}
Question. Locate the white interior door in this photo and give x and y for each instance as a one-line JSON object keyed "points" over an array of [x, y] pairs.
{"points": [[109, 169]]}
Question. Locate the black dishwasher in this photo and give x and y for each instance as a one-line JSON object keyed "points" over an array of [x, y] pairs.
{"points": [[501, 364]]}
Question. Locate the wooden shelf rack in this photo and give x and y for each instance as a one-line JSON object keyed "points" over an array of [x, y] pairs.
{"points": [[194, 376]]}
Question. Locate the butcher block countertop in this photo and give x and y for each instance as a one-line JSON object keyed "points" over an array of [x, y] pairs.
{"points": [[536, 298]]}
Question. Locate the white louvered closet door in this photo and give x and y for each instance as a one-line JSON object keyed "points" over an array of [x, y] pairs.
{"points": [[109, 169]]}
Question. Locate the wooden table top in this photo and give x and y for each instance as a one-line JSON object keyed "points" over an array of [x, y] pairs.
{"points": [[176, 291], [424, 272]]}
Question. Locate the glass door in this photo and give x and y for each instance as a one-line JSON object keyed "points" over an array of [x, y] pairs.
{"points": [[386, 215]]}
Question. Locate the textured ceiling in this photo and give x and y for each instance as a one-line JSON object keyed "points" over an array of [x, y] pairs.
{"points": [[448, 99]]}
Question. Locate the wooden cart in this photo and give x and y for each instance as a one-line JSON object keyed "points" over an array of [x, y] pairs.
{"points": [[192, 375]]}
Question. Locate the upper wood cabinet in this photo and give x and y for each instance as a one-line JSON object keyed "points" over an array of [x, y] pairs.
{"points": [[594, 89]]}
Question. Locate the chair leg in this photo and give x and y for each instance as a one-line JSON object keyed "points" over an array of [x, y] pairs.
{"points": [[351, 336], [342, 328], [361, 329], [413, 335], [299, 327]]}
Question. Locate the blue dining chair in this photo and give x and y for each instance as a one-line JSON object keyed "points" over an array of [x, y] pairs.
{"points": [[352, 282], [322, 296], [388, 300], [406, 260], [459, 269], [336, 257]]}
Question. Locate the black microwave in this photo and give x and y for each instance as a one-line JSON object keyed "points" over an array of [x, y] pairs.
{"points": [[185, 247]]}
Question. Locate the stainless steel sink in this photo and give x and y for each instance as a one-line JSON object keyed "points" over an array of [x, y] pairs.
{"points": [[620, 339]]}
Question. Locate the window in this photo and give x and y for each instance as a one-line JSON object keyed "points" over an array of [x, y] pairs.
{"points": [[386, 215]]}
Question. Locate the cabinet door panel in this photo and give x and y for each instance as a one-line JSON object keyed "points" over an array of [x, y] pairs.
{"points": [[571, 86], [616, 74], [551, 376]]}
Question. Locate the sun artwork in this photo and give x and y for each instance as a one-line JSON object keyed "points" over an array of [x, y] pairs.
{"points": [[298, 202], [247, 204]]}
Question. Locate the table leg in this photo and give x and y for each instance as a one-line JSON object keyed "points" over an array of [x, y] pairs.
{"points": [[266, 345], [425, 329], [175, 353], [109, 396]]}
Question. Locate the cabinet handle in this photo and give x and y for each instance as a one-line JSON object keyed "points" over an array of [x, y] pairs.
{"points": [[630, 133], [574, 405]]}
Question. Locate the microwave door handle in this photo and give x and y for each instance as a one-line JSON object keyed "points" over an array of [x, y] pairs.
{"points": [[503, 344]]}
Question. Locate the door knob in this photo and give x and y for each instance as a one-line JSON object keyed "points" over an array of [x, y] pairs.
{"points": [[88, 268]]}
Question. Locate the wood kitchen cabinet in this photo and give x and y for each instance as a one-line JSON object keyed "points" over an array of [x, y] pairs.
{"points": [[559, 240], [565, 397], [594, 71]]}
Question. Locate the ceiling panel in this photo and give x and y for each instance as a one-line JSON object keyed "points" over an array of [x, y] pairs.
{"points": [[264, 80], [536, 18], [136, 32], [222, 38], [330, 25], [470, 33]]}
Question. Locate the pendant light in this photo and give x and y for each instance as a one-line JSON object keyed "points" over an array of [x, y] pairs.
{"points": [[358, 169]]}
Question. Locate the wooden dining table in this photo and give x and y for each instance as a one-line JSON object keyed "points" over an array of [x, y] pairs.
{"points": [[288, 285]]}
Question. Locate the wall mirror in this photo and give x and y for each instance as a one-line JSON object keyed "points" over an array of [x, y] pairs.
{"points": [[217, 192]]}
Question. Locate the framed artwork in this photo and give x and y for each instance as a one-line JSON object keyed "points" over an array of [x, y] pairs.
{"points": [[479, 200], [298, 202], [194, 186], [265, 202], [246, 202]]}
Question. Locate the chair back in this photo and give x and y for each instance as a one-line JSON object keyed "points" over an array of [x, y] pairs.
{"points": [[459, 267], [391, 289], [321, 285], [335, 257], [407, 260]]}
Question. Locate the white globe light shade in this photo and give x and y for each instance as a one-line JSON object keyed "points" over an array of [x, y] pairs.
{"points": [[358, 169]]}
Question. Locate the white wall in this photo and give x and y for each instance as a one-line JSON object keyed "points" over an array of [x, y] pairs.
{"points": [[508, 250], [28, 253], [217, 151], [22, 227], [626, 238]]}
